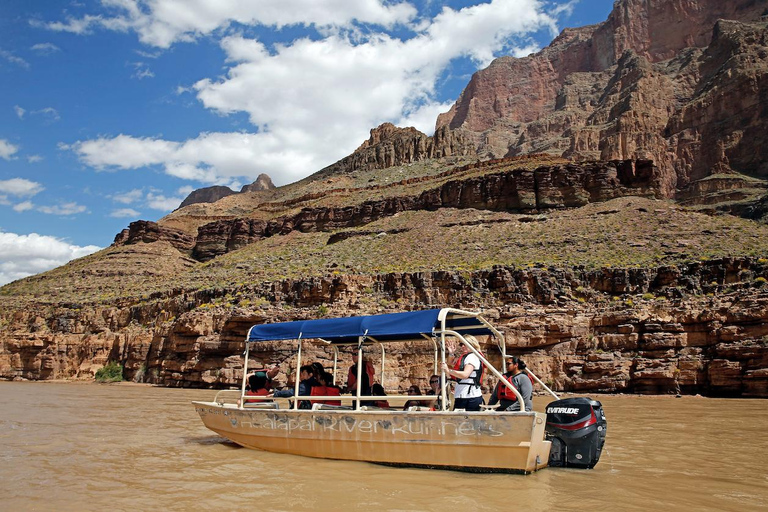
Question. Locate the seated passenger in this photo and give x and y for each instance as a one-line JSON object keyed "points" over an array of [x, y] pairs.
{"points": [[413, 390], [378, 390], [366, 377], [306, 384], [435, 389], [317, 369], [325, 387], [522, 381], [257, 386], [270, 372]]}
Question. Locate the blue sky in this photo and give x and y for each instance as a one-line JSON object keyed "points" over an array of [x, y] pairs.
{"points": [[114, 110]]}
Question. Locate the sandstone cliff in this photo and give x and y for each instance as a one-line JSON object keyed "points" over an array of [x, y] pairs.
{"points": [[700, 328], [664, 81], [547, 187], [206, 195], [390, 146]]}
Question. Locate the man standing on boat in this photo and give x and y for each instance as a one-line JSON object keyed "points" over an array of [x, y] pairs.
{"points": [[468, 371]]}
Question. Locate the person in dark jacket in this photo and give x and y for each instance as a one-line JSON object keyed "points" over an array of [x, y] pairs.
{"points": [[306, 383]]}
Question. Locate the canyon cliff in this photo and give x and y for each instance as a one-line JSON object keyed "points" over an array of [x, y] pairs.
{"points": [[708, 335], [679, 82]]}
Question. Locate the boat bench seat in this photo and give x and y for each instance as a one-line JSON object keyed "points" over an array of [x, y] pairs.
{"points": [[327, 407], [374, 408]]}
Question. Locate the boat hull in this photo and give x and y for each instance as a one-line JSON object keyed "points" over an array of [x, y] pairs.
{"points": [[473, 441]]}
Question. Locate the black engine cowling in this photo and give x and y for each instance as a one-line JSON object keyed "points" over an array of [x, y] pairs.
{"points": [[577, 428]]}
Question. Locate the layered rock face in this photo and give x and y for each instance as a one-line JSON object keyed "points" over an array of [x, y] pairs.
{"points": [[548, 187], [389, 146], [661, 80], [206, 195], [147, 231], [564, 323]]}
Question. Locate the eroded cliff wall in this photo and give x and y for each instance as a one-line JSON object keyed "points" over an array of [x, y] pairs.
{"points": [[679, 82], [699, 328]]}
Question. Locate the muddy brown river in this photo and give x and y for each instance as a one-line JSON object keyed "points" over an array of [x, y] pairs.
{"points": [[69, 446]]}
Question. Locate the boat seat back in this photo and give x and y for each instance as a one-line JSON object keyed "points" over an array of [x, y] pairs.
{"points": [[262, 405], [327, 407]]}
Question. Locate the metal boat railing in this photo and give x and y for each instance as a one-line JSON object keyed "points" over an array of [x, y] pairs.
{"points": [[357, 398]]}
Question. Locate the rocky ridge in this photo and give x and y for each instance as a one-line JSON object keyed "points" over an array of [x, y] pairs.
{"points": [[515, 189], [679, 82], [213, 194], [390, 146], [699, 328]]}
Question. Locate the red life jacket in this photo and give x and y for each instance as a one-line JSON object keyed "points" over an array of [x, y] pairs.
{"points": [[352, 377], [478, 372], [258, 392], [504, 393], [326, 391]]}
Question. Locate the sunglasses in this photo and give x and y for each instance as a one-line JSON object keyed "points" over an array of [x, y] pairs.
{"points": [[433, 381]]}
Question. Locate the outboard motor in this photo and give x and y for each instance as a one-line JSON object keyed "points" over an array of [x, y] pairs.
{"points": [[576, 427]]}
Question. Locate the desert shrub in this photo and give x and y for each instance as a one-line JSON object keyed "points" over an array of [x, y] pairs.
{"points": [[112, 372], [760, 281]]}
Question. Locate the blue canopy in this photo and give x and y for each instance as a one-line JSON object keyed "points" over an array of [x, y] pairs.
{"points": [[390, 327]]}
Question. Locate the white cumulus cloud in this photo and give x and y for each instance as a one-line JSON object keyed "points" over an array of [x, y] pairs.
{"points": [[124, 212], [163, 203], [24, 206], [129, 197], [45, 48], [64, 209], [7, 150], [161, 23], [20, 187], [48, 114], [314, 101], [25, 255], [12, 58]]}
